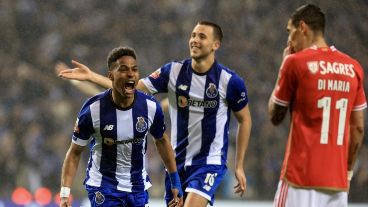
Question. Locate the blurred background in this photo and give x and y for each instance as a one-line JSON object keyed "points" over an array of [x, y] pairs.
{"points": [[38, 109]]}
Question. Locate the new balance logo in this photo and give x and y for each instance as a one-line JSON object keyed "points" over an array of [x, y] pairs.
{"points": [[109, 127], [183, 87]]}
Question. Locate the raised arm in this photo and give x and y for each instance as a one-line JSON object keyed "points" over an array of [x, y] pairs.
{"points": [[69, 170], [83, 73], [167, 155], [86, 87], [277, 112], [242, 139]]}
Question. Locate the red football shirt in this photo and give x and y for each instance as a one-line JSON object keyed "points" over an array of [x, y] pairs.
{"points": [[321, 86]]}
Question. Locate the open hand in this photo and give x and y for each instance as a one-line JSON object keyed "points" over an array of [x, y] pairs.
{"points": [[80, 72]]}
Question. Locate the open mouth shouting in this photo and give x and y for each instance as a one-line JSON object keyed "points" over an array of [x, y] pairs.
{"points": [[129, 87]]}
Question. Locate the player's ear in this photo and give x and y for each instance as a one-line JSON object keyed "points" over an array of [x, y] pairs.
{"points": [[303, 26], [216, 45], [110, 76]]}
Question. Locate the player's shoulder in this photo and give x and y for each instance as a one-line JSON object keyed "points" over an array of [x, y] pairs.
{"points": [[221, 67], [345, 55], [179, 62], [97, 97], [90, 101], [174, 64], [145, 96]]}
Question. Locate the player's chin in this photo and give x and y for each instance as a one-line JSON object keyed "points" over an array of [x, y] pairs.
{"points": [[194, 54], [129, 93]]}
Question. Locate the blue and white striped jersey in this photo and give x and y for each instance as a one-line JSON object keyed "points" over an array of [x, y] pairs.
{"points": [[199, 106], [118, 140]]}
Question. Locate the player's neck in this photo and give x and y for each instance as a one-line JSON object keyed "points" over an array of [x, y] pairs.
{"points": [[122, 102], [202, 65], [319, 42]]}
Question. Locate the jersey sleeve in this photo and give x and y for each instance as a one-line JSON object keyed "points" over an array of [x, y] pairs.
{"points": [[237, 95], [158, 126], [83, 128], [286, 83], [158, 81], [360, 102]]}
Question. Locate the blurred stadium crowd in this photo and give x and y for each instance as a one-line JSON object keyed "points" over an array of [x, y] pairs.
{"points": [[38, 109]]}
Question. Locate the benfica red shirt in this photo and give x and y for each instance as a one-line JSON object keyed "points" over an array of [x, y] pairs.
{"points": [[322, 86]]}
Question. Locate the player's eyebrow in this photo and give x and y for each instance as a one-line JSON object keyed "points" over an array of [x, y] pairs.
{"points": [[119, 64]]}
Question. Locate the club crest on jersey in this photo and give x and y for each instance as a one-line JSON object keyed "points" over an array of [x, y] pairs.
{"points": [[313, 66], [141, 124], [155, 74], [99, 197], [211, 91]]}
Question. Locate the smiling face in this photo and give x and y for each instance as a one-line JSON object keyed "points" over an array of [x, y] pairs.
{"points": [[124, 75], [202, 42]]}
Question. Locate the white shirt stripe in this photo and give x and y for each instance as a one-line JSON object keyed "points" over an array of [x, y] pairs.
{"points": [[195, 118], [95, 177]]}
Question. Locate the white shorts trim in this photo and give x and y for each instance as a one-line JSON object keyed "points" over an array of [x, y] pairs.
{"points": [[192, 190], [289, 196]]}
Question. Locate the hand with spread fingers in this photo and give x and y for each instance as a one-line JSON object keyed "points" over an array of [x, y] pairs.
{"points": [[80, 72]]}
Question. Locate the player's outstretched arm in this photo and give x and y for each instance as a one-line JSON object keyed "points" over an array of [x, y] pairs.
{"points": [[82, 73], [69, 170], [167, 155], [86, 87], [242, 139]]}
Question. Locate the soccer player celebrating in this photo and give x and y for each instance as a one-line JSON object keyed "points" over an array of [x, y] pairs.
{"points": [[116, 123], [202, 93], [323, 88]]}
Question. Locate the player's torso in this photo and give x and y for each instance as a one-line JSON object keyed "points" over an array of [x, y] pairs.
{"points": [[325, 90], [119, 145], [199, 113]]}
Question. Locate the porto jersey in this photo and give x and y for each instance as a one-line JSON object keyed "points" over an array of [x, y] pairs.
{"points": [[199, 106], [118, 140]]}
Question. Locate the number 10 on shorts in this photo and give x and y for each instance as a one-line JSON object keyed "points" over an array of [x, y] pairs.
{"points": [[209, 181]]}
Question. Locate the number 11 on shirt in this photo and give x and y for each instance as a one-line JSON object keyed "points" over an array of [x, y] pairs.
{"points": [[341, 105]]}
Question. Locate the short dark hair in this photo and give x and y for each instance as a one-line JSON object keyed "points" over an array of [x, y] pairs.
{"points": [[217, 31], [311, 15], [119, 52]]}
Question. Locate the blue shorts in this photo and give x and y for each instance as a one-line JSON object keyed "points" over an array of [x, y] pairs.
{"points": [[202, 180], [107, 197]]}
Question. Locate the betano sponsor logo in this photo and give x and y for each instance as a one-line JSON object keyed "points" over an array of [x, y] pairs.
{"points": [[110, 141], [185, 102]]}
